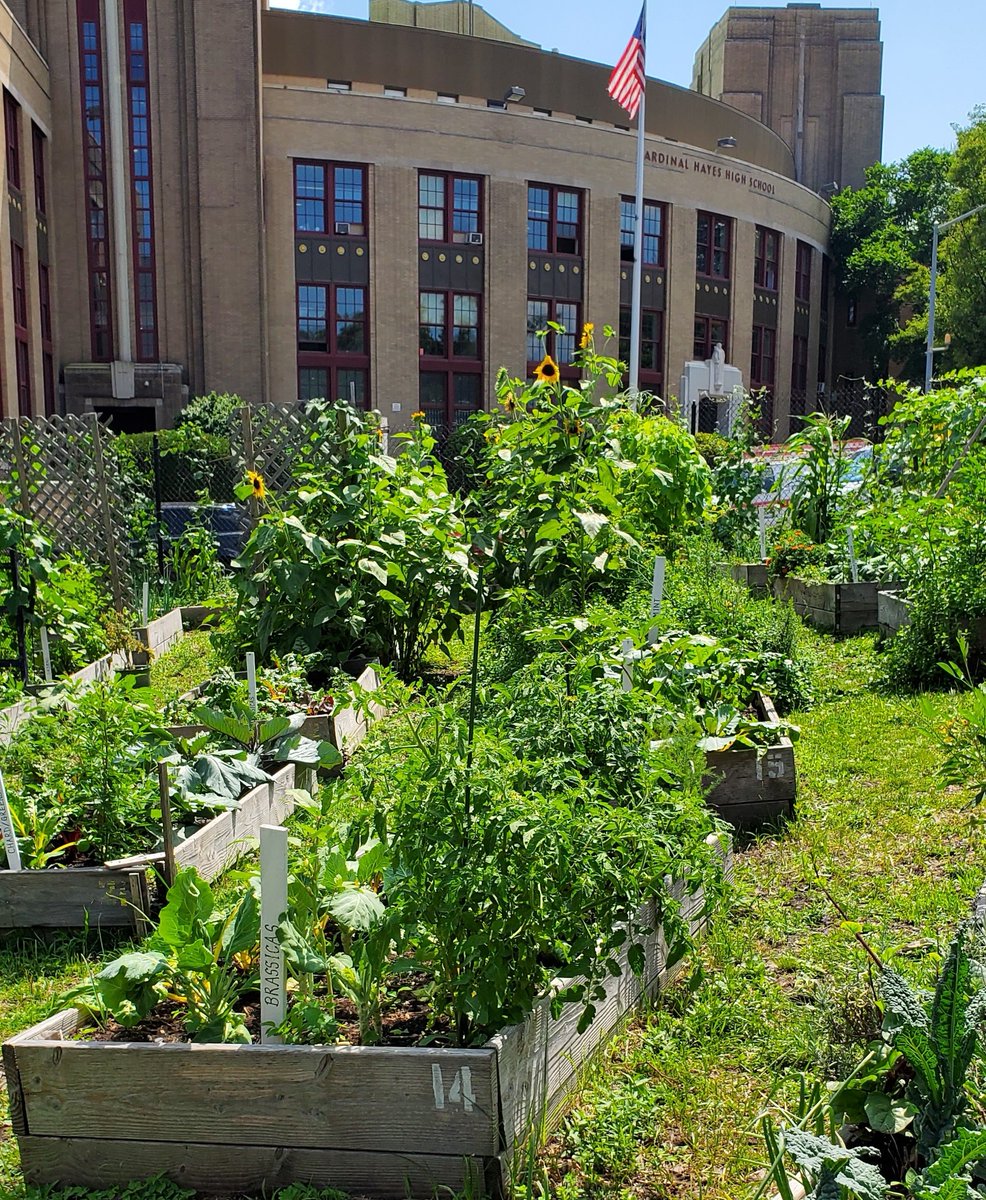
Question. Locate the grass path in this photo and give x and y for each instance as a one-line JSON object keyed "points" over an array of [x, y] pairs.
{"points": [[782, 989]]}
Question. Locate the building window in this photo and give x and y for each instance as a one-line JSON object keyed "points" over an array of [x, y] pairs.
{"points": [[448, 398], [802, 273], [329, 198], [338, 85], [333, 342], [22, 360], [449, 207], [560, 346], [396, 93], [19, 276], [47, 349], [22, 356], [651, 345], [142, 181], [762, 360], [447, 98], [708, 332], [767, 256], [712, 246], [448, 325], [40, 179], [554, 219], [97, 190], [655, 223], [799, 365], [12, 132]]}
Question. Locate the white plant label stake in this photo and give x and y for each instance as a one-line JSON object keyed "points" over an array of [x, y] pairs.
{"points": [[7, 829], [145, 602], [46, 655], [626, 671], [762, 518], [853, 565], [251, 665], [273, 906], [656, 594]]}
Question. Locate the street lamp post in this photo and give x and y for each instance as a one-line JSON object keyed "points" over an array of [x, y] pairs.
{"points": [[930, 352]]}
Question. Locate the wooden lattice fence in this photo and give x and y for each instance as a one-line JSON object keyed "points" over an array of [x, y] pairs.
{"points": [[53, 469]]}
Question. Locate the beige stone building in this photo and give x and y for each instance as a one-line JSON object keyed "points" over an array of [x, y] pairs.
{"points": [[288, 205], [812, 74]]}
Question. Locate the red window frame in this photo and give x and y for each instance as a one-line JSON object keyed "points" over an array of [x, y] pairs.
{"points": [[556, 242], [330, 200], [802, 273], [652, 371], [450, 325], [38, 140], [335, 388], [767, 265], [763, 358], [704, 336], [706, 248], [450, 211], [142, 179], [92, 95], [627, 206], [12, 133], [328, 356], [556, 345]]}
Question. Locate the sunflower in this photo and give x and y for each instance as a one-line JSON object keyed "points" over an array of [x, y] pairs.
{"points": [[586, 338], [257, 486], [547, 370], [417, 416]]}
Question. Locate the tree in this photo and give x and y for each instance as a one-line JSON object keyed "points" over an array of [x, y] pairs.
{"points": [[962, 253], [881, 247]]}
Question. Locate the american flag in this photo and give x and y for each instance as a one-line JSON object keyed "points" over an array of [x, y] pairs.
{"points": [[626, 84]]}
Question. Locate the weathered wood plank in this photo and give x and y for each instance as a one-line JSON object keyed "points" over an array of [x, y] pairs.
{"points": [[15, 1093], [350, 725], [744, 779], [157, 637], [230, 835], [421, 1101], [87, 1162], [193, 616], [55, 1028], [70, 897]]}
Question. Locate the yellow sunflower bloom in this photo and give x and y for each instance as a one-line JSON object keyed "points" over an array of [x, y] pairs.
{"points": [[417, 416], [587, 331], [547, 370], [256, 482]]}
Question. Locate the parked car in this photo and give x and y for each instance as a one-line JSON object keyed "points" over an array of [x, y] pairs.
{"points": [[228, 523]]}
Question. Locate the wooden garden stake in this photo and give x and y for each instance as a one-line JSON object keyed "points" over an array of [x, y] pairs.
{"points": [[656, 594], [273, 906], [164, 788], [7, 830], [251, 666], [853, 565], [626, 671], [762, 520], [46, 655]]}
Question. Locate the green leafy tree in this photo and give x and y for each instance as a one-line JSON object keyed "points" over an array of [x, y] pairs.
{"points": [[881, 245], [963, 248]]}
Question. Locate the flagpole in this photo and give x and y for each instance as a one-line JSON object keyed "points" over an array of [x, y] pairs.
{"points": [[638, 230]]}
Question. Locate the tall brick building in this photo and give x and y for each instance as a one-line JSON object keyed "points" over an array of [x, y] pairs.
{"points": [[214, 196]]}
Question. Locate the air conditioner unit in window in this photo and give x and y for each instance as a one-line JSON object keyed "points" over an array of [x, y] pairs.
{"points": [[474, 239], [342, 226]]}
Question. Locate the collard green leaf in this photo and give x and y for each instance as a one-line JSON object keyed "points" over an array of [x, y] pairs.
{"points": [[300, 955], [357, 908], [190, 906], [238, 731]]}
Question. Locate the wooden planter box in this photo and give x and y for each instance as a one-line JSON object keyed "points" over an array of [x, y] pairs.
{"points": [[378, 1121], [894, 612], [105, 898], [837, 607], [15, 715], [158, 637], [194, 616], [752, 785], [751, 575], [349, 725]]}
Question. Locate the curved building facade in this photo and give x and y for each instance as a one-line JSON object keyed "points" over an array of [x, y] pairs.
{"points": [[290, 205]]}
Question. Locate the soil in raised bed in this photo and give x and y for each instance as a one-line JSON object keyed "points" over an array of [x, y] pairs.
{"points": [[408, 1020]]}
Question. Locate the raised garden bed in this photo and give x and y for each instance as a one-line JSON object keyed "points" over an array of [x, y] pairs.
{"points": [[15, 715], [837, 607], [157, 637], [751, 575], [105, 897], [99, 1114], [753, 784], [894, 612]]}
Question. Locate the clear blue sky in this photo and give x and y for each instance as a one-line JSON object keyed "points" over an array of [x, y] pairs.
{"points": [[932, 50]]}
